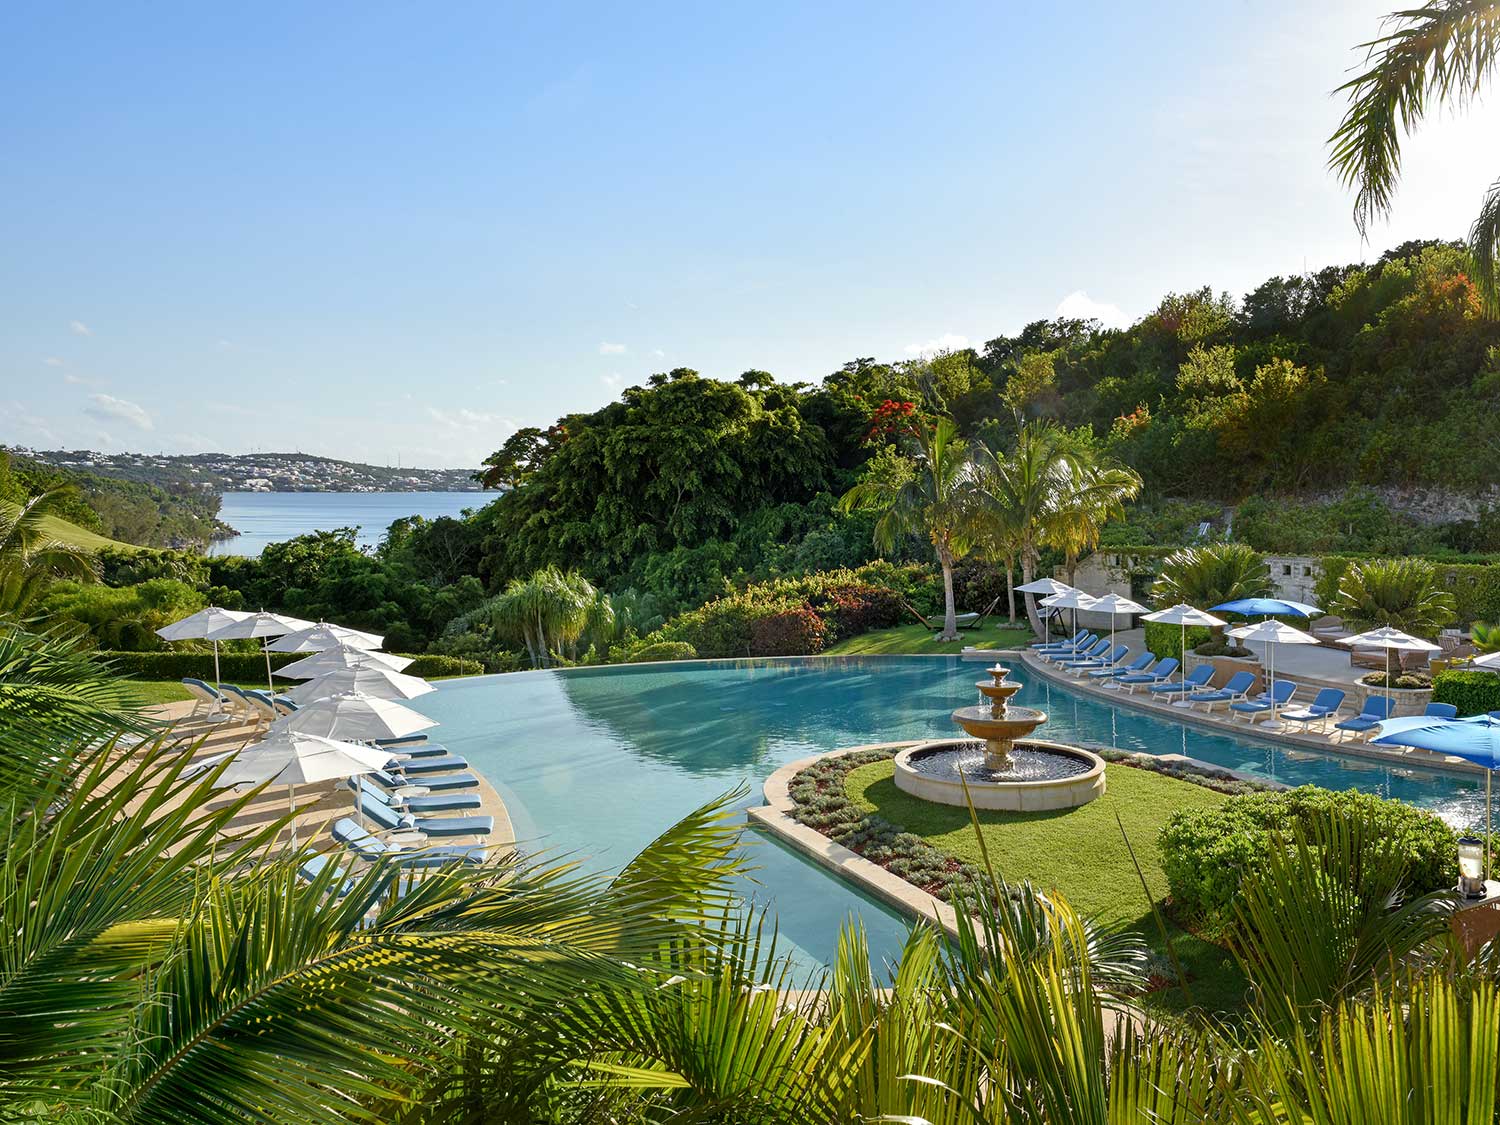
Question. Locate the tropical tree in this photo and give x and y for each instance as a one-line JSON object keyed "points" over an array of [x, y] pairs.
{"points": [[31, 555], [1441, 53], [1094, 494], [547, 612], [1210, 575], [928, 492], [1402, 593]]}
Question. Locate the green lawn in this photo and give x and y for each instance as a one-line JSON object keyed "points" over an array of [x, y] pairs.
{"points": [[82, 537], [158, 691], [1079, 852], [914, 638]]}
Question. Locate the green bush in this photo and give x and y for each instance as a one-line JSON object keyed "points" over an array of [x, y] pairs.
{"points": [[664, 650], [793, 632], [1207, 853], [1475, 586], [1471, 690], [250, 668], [1166, 640]]}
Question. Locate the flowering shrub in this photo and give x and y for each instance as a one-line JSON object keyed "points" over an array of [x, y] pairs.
{"points": [[893, 417], [793, 632]]}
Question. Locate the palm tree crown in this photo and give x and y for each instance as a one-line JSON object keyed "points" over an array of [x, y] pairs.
{"points": [[31, 555]]}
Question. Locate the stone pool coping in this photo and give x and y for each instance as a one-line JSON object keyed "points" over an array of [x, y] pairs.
{"points": [[1404, 759]]}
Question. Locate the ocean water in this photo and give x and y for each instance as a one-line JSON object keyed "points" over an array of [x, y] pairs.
{"points": [[262, 518]]}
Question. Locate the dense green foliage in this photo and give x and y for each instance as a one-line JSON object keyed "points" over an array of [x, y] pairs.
{"points": [[1472, 691], [1166, 640], [1207, 854], [1402, 593], [1475, 588]]}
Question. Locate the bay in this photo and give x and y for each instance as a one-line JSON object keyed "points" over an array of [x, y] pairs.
{"points": [[263, 518]]}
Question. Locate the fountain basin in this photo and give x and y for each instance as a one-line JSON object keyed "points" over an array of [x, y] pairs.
{"points": [[1039, 776]]}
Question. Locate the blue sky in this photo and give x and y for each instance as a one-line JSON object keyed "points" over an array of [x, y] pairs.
{"points": [[395, 232]]}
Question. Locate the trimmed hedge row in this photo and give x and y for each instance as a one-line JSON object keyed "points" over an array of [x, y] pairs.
{"points": [[1207, 853], [1471, 690], [250, 668], [1166, 640]]}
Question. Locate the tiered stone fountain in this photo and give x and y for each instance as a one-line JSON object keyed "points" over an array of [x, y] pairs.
{"points": [[1003, 768]]}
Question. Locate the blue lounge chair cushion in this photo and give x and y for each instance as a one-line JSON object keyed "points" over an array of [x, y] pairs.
{"points": [[1078, 636], [1442, 711], [1196, 679], [408, 740], [434, 765], [1139, 664], [440, 802], [431, 750], [1238, 685], [1163, 671], [1325, 703], [348, 832], [387, 818]]}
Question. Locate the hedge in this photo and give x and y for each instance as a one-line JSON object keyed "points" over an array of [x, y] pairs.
{"points": [[1472, 691], [1166, 640], [250, 668], [1475, 587], [1207, 853]]}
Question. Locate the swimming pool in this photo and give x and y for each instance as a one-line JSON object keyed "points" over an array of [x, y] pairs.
{"points": [[598, 761]]}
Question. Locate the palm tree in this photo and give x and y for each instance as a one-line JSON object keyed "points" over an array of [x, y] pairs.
{"points": [[1402, 593], [1096, 493], [1443, 52], [930, 493], [547, 612], [1207, 576], [31, 556]]}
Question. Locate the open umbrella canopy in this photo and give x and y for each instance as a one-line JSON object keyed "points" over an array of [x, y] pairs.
{"points": [[200, 625], [296, 758], [1184, 615], [377, 683], [258, 625], [311, 637], [1475, 739], [1048, 586], [1387, 638], [356, 717], [1069, 599], [1488, 660], [1273, 633], [1116, 603], [338, 660], [1270, 607]]}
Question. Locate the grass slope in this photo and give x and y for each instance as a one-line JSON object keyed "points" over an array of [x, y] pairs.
{"points": [[1080, 853], [81, 537], [152, 692], [914, 638]]}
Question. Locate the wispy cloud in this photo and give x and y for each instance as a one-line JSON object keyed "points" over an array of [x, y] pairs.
{"points": [[657, 353], [613, 380], [39, 428], [81, 381], [947, 342], [53, 361], [109, 408], [1078, 305], [78, 328], [606, 348], [465, 419]]}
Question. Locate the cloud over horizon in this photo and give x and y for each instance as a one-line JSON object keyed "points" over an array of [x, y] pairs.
{"points": [[1078, 305], [109, 408], [947, 342]]}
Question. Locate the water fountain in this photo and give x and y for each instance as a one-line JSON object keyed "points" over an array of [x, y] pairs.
{"points": [[1001, 765]]}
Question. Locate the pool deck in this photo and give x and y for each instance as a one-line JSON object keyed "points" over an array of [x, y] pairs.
{"points": [[318, 805], [1218, 721]]}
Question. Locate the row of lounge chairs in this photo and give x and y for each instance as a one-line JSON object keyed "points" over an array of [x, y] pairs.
{"points": [[1087, 656], [249, 704]]}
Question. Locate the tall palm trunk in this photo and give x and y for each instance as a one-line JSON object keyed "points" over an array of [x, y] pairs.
{"points": [[1010, 586], [950, 610], [1028, 573]]}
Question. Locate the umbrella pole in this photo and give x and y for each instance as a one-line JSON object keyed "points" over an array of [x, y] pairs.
{"points": [[266, 648], [218, 695], [1389, 699], [1182, 668], [1489, 823]]}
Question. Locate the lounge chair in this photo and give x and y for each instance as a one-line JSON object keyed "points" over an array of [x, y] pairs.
{"points": [[1441, 711], [365, 845], [1057, 642], [441, 802], [1376, 710], [1093, 652], [409, 740], [1108, 659], [1239, 684], [430, 750], [1325, 705], [1160, 675], [1139, 664], [1069, 649], [203, 695], [1198, 678], [265, 710], [390, 780], [390, 820], [313, 867], [240, 702], [433, 765], [1280, 694], [283, 705]]}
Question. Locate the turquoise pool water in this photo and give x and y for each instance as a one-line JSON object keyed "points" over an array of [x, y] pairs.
{"points": [[598, 761]]}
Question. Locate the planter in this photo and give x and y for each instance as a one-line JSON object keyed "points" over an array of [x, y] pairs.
{"points": [[1227, 666], [1407, 701]]}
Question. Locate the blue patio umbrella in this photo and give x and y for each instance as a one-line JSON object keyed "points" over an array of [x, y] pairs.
{"points": [[1268, 607], [1475, 739]]}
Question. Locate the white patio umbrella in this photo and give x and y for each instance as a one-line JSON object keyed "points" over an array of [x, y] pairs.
{"points": [[355, 717], [1392, 640], [1047, 587], [377, 683], [259, 626], [294, 758], [1184, 615], [339, 659], [197, 627], [1113, 604], [1070, 599], [1488, 660], [1271, 633], [311, 637]]}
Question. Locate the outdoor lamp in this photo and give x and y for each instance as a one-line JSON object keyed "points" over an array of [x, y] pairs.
{"points": [[1471, 867]]}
